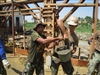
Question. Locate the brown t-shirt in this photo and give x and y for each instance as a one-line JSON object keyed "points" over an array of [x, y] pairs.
{"points": [[97, 38]]}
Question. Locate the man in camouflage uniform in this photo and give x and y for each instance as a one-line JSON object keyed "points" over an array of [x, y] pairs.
{"points": [[4, 63], [73, 40], [95, 57], [35, 59]]}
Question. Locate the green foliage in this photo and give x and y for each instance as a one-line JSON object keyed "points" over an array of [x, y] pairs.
{"points": [[29, 25], [84, 27]]}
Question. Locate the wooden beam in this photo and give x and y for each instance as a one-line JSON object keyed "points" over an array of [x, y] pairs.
{"points": [[21, 10], [72, 11], [36, 4], [71, 5], [21, 51], [13, 29], [60, 8], [24, 13], [32, 13], [79, 62], [5, 14], [94, 25], [16, 1]]}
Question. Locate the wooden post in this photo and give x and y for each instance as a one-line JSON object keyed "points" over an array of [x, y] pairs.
{"points": [[95, 18], [24, 41], [13, 29]]}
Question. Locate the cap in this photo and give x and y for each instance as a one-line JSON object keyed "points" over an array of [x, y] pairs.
{"points": [[40, 23]]}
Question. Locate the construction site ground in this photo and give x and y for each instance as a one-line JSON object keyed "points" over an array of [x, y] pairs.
{"points": [[17, 65]]}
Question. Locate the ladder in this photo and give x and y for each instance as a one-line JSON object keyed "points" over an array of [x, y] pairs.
{"points": [[49, 17]]}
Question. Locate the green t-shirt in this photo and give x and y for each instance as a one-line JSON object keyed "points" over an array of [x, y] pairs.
{"points": [[36, 48]]}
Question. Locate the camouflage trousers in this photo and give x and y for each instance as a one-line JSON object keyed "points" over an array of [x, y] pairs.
{"points": [[29, 68], [95, 59], [66, 66]]}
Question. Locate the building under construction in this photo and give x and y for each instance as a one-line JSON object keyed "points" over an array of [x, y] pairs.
{"points": [[47, 14]]}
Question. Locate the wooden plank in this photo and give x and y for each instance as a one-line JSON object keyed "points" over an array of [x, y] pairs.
{"points": [[25, 52], [79, 62], [76, 62], [71, 5], [21, 51]]}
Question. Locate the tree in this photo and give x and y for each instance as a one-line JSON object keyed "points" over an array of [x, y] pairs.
{"points": [[89, 19]]}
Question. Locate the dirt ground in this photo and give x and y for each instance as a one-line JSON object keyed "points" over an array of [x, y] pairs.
{"points": [[17, 65]]}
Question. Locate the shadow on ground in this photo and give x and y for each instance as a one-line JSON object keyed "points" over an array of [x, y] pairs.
{"points": [[17, 71]]}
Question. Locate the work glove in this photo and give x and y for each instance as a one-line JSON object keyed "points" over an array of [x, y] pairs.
{"points": [[89, 42], [6, 63]]}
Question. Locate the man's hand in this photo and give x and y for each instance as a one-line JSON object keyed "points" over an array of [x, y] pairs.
{"points": [[6, 63], [73, 51], [60, 38]]}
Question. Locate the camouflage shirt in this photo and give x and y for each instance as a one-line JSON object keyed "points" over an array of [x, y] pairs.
{"points": [[36, 48]]}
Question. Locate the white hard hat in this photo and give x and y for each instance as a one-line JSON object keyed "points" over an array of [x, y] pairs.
{"points": [[73, 21]]}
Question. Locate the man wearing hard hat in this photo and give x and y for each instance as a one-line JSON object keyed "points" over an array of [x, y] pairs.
{"points": [[63, 58]]}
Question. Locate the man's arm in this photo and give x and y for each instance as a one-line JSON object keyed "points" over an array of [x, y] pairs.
{"points": [[48, 40], [63, 29]]}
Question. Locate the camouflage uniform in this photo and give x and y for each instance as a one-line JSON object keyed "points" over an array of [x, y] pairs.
{"points": [[35, 56], [95, 58], [66, 66]]}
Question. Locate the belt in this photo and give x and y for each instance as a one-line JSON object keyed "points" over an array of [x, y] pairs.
{"points": [[97, 51]]}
